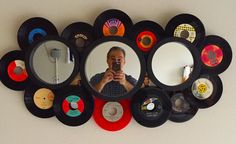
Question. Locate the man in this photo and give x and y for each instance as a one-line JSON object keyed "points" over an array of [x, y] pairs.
{"points": [[114, 82]]}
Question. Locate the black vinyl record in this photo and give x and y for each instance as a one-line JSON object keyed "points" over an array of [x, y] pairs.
{"points": [[146, 34], [186, 26], [80, 34], [112, 22], [216, 54], [205, 91], [182, 110], [12, 70], [73, 106], [34, 29], [151, 107], [39, 101]]}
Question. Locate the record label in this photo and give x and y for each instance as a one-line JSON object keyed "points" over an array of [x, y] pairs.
{"points": [[202, 88], [151, 107], [146, 40], [36, 34], [185, 31], [80, 40], [16, 71], [179, 104], [43, 98], [113, 27], [212, 55], [73, 106], [112, 111]]}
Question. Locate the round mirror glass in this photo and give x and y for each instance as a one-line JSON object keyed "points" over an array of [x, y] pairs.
{"points": [[113, 68], [173, 62], [52, 62]]}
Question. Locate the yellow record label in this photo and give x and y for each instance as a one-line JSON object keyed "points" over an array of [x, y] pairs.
{"points": [[43, 98], [185, 31], [202, 88]]}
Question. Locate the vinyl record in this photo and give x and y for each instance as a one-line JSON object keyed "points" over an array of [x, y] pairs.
{"points": [[216, 54], [39, 101], [112, 116], [205, 91], [80, 34], [73, 106], [34, 29], [112, 22], [186, 26], [13, 71], [146, 34], [182, 110], [151, 107]]}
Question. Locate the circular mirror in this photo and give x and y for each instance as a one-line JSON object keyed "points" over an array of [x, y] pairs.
{"points": [[113, 68], [173, 64], [52, 62]]}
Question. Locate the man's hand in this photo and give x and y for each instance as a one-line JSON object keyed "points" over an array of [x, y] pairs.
{"points": [[120, 77], [108, 76]]}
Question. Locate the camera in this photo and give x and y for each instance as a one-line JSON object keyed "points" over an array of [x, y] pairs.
{"points": [[116, 66]]}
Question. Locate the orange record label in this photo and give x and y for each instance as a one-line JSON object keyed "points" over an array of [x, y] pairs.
{"points": [[113, 27], [146, 40], [43, 98], [16, 71], [212, 55]]}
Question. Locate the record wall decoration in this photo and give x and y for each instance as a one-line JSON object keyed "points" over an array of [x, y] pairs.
{"points": [[176, 94]]}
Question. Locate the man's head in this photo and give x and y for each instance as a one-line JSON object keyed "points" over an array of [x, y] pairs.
{"points": [[116, 54]]}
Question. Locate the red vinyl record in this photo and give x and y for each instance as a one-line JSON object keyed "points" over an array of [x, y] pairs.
{"points": [[112, 116]]}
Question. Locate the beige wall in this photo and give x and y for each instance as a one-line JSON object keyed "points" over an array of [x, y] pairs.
{"points": [[214, 125]]}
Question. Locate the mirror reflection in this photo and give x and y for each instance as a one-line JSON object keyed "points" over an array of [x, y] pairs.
{"points": [[53, 62], [112, 68], [172, 63]]}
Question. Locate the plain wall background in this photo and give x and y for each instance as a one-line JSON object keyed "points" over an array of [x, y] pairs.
{"points": [[213, 125]]}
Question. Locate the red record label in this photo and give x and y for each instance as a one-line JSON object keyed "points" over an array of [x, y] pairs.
{"points": [[114, 119], [146, 40], [16, 71], [212, 55], [73, 106]]}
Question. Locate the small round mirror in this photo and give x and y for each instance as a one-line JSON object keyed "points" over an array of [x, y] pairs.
{"points": [[52, 62], [113, 68], [173, 64]]}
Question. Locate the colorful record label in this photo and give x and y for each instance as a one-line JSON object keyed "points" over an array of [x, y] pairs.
{"points": [[43, 98], [202, 88], [36, 34], [185, 31], [212, 55], [73, 106], [112, 111], [16, 71], [179, 104], [113, 27], [146, 40], [151, 107]]}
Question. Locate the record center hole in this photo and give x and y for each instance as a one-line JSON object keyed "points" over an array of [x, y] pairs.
{"points": [[73, 105], [37, 36], [112, 111], [80, 42], [184, 34], [150, 106], [146, 41], [179, 103], [113, 30], [18, 70]]}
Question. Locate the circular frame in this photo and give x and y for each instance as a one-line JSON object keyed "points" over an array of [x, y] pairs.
{"points": [[29, 63], [196, 69], [117, 39]]}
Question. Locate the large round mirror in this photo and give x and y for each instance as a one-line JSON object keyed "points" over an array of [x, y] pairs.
{"points": [[173, 64], [52, 62], [113, 68]]}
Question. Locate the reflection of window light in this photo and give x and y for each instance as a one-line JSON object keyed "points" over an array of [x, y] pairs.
{"points": [[187, 71]]}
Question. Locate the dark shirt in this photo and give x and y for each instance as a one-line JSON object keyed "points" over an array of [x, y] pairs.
{"points": [[113, 88]]}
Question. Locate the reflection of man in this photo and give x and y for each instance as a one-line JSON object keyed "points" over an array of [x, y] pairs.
{"points": [[114, 82]]}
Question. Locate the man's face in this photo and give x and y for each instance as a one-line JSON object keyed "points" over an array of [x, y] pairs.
{"points": [[116, 56]]}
